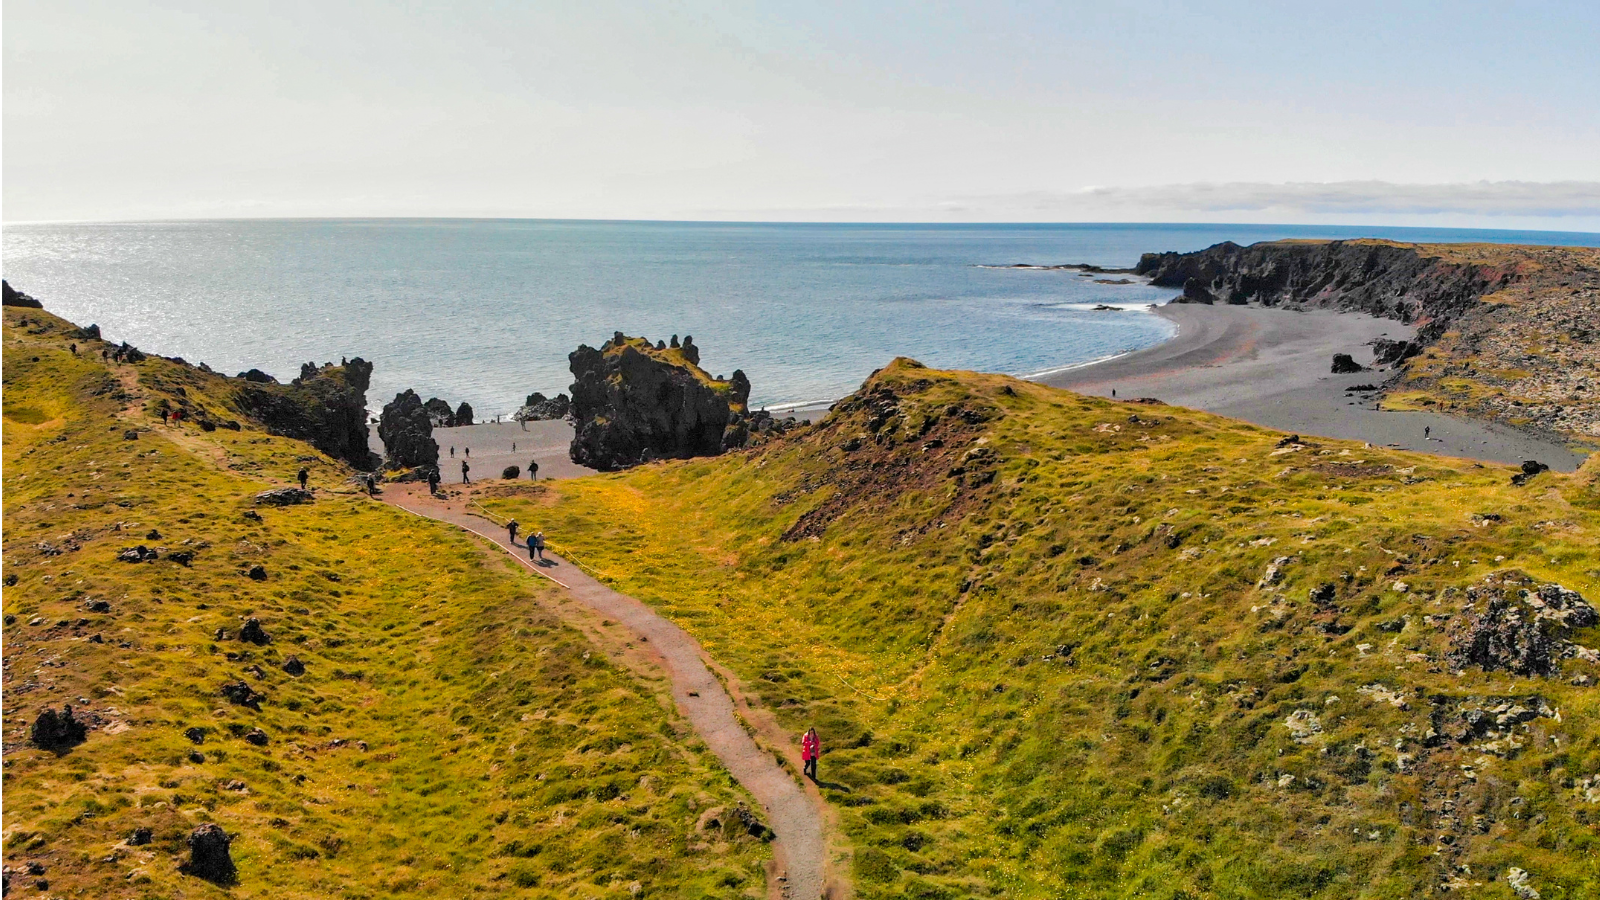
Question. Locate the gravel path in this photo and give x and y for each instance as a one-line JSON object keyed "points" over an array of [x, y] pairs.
{"points": [[795, 815]]}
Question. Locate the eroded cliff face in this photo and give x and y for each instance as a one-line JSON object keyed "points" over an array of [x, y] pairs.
{"points": [[326, 407], [406, 429], [633, 402], [1503, 332], [1394, 281]]}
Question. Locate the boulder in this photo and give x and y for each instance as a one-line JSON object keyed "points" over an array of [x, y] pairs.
{"points": [[253, 633], [140, 836], [510, 473], [256, 376], [463, 415], [257, 573], [209, 858], [256, 737], [407, 433], [137, 554], [294, 666], [240, 693], [632, 403], [1344, 364], [57, 732], [284, 496], [439, 412]]}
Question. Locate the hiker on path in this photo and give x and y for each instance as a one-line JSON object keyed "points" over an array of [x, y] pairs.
{"points": [[538, 545], [533, 470], [1426, 430], [512, 527], [452, 452], [464, 470], [810, 749], [533, 548], [304, 476], [513, 446], [372, 486], [468, 452], [433, 481]]}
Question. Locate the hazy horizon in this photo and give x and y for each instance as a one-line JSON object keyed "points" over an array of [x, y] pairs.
{"points": [[1466, 115]]}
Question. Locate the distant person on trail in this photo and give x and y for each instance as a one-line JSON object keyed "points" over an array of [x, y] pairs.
{"points": [[433, 481], [810, 749], [464, 469], [1113, 392], [1426, 430], [533, 470], [305, 476], [469, 452], [512, 527], [538, 545], [533, 549], [372, 486], [513, 446], [452, 453]]}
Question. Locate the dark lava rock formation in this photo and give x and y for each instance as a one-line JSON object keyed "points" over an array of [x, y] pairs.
{"points": [[209, 857], [1345, 364], [539, 408], [1383, 279], [406, 430], [57, 732], [633, 402], [1509, 626], [326, 407], [14, 297]]}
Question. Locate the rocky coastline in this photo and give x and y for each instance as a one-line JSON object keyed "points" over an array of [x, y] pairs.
{"points": [[1502, 332]]}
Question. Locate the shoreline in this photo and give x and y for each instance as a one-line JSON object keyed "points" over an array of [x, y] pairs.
{"points": [[1271, 367], [1266, 366]]}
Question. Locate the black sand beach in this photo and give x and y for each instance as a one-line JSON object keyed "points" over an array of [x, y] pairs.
{"points": [[1272, 367]]}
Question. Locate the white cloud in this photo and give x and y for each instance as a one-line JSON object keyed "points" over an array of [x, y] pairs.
{"points": [[1556, 199]]}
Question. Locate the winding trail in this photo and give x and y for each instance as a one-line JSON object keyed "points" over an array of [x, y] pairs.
{"points": [[797, 816]]}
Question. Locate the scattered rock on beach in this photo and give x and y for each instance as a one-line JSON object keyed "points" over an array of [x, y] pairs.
{"points": [[1345, 364]]}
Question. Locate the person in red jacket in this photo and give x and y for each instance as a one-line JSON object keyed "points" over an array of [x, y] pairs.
{"points": [[810, 749]]}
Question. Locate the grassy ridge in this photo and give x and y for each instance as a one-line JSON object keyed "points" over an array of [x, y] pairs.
{"points": [[449, 736], [1058, 646]]}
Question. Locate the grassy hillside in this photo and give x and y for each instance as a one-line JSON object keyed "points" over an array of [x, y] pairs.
{"points": [[1059, 646], [448, 735]]}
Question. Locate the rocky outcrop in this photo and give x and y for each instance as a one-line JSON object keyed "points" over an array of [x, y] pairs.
{"points": [[326, 407], [14, 297], [284, 496], [57, 732], [1516, 320], [1394, 281], [539, 408], [209, 856], [407, 433], [633, 402], [1509, 625], [1345, 364]]}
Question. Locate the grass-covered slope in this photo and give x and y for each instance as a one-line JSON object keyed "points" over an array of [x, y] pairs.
{"points": [[1059, 646], [448, 735]]}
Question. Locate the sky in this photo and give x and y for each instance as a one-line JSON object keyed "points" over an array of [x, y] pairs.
{"points": [[1455, 113]]}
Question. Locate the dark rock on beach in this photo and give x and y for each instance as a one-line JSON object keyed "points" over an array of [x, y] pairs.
{"points": [[633, 403], [406, 430], [539, 408], [1345, 364]]}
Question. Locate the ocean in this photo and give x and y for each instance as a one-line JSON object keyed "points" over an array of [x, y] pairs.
{"points": [[486, 311]]}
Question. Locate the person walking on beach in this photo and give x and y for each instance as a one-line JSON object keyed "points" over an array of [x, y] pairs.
{"points": [[512, 527], [533, 470], [433, 481], [452, 452], [1426, 431], [810, 749], [468, 452], [464, 469], [304, 476], [513, 446], [538, 545]]}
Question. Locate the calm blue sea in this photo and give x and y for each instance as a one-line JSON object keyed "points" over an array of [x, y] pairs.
{"points": [[487, 310]]}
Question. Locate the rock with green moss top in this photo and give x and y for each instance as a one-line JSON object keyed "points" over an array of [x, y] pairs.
{"points": [[633, 402]]}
